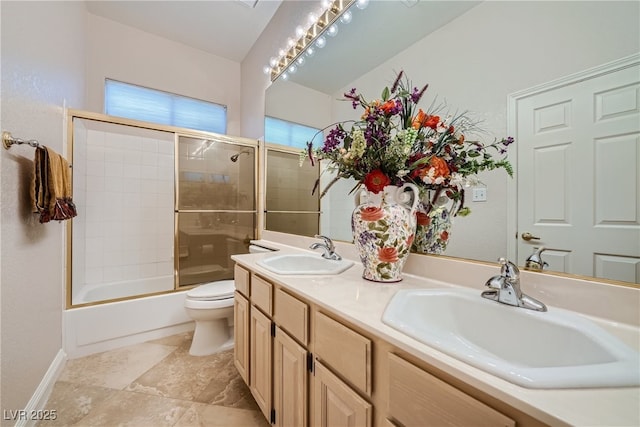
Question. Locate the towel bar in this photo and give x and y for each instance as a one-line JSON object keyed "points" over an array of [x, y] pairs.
{"points": [[8, 141]]}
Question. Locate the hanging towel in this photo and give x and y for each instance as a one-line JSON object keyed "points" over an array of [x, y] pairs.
{"points": [[52, 186]]}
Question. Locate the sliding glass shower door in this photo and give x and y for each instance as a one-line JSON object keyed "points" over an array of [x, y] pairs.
{"points": [[215, 207]]}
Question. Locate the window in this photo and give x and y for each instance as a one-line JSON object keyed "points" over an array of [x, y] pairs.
{"points": [[155, 106], [290, 134]]}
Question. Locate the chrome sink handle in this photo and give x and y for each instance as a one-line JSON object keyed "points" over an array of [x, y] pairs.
{"points": [[505, 288], [329, 249]]}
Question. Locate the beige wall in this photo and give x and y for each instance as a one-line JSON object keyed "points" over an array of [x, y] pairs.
{"points": [[254, 81], [124, 53], [42, 72]]}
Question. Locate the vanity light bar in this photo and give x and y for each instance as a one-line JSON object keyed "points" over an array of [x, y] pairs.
{"points": [[333, 12]]}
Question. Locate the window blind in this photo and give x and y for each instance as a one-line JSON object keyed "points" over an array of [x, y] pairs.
{"points": [[155, 106]]}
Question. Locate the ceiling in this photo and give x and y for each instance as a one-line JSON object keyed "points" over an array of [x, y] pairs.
{"points": [[229, 29], [226, 28]]}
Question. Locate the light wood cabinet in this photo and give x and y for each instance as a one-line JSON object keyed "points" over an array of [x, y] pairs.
{"points": [[241, 319], [345, 350], [305, 365], [335, 403], [260, 382], [242, 279], [417, 398], [290, 381]]}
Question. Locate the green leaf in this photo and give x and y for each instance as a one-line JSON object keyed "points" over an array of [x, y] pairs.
{"points": [[385, 94]]}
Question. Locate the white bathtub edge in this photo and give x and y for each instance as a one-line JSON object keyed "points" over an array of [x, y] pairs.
{"points": [[103, 327]]}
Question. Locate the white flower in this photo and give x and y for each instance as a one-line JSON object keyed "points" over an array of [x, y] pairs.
{"points": [[401, 173], [457, 179]]}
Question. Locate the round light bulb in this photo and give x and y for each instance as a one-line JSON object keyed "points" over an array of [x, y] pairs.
{"points": [[266, 69], [300, 60], [292, 69], [291, 42], [362, 4], [273, 61], [284, 76], [346, 17], [281, 52], [332, 30], [300, 31], [312, 18], [310, 51], [321, 42]]}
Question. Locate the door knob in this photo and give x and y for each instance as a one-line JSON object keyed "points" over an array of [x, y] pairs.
{"points": [[528, 236]]}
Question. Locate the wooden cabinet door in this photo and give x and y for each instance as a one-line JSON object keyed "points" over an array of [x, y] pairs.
{"points": [[260, 355], [241, 335], [417, 398], [290, 381], [335, 404]]}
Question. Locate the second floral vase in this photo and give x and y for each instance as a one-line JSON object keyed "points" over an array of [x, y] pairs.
{"points": [[383, 230]]}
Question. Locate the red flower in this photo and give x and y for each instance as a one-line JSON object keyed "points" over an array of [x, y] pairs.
{"points": [[371, 213], [388, 107], [440, 165], [423, 218], [388, 254], [444, 235], [410, 240], [376, 180], [423, 119]]}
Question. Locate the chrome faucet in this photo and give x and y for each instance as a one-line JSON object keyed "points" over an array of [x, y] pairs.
{"points": [[329, 249], [535, 262], [505, 288]]}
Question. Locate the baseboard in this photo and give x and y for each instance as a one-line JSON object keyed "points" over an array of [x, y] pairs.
{"points": [[36, 404]]}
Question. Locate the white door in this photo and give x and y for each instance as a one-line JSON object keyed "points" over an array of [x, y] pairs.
{"points": [[579, 175]]}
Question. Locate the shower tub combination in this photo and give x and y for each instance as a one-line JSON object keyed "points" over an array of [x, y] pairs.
{"points": [[151, 200]]}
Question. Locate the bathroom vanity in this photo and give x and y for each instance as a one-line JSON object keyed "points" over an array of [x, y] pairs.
{"points": [[314, 351]]}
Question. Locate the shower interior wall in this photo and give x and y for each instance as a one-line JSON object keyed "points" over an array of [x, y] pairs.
{"points": [[124, 192]]}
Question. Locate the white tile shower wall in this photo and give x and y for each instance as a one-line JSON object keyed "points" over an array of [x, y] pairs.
{"points": [[129, 207]]}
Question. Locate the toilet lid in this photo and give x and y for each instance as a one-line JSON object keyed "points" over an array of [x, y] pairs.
{"points": [[222, 289]]}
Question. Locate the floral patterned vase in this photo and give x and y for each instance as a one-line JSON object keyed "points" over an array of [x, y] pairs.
{"points": [[432, 230], [383, 231]]}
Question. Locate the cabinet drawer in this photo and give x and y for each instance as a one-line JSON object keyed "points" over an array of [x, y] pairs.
{"points": [[417, 398], [261, 294], [292, 315], [345, 350], [242, 280]]}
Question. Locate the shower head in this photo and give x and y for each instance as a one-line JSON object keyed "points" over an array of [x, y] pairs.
{"points": [[234, 158]]}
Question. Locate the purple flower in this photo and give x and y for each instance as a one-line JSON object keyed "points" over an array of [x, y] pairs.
{"points": [[417, 94], [333, 140]]}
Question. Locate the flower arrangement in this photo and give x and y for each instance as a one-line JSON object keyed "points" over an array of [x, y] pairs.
{"points": [[396, 142]]}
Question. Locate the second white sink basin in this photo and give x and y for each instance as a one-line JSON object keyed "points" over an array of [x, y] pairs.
{"points": [[553, 349], [304, 264]]}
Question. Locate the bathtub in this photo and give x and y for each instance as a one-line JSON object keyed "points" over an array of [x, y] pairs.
{"points": [[128, 288], [102, 327]]}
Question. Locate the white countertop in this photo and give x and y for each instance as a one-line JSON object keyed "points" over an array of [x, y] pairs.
{"points": [[363, 302]]}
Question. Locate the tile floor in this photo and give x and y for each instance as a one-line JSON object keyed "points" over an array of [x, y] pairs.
{"points": [[156, 383]]}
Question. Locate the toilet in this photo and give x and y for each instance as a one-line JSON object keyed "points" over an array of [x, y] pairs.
{"points": [[211, 306]]}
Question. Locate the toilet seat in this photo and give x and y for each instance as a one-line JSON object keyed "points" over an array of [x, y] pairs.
{"points": [[214, 291]]}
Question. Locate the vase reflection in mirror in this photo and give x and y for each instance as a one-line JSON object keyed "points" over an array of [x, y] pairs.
{"points": [[383, 228], [434, 222]]}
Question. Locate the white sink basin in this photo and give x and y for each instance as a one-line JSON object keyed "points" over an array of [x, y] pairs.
{"points": [[553, 349], [306, 264]]}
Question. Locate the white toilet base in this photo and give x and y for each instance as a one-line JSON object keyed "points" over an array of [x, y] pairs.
{"points": [[211, 336]]}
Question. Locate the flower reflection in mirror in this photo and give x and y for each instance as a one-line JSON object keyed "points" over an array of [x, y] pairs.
{"points": [[398, 142]]}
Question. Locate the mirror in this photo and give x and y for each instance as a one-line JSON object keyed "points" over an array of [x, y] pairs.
{"points": [[473, 55]]}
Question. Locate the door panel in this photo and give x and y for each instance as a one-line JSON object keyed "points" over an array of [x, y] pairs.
{"points": [[578, 169]]}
